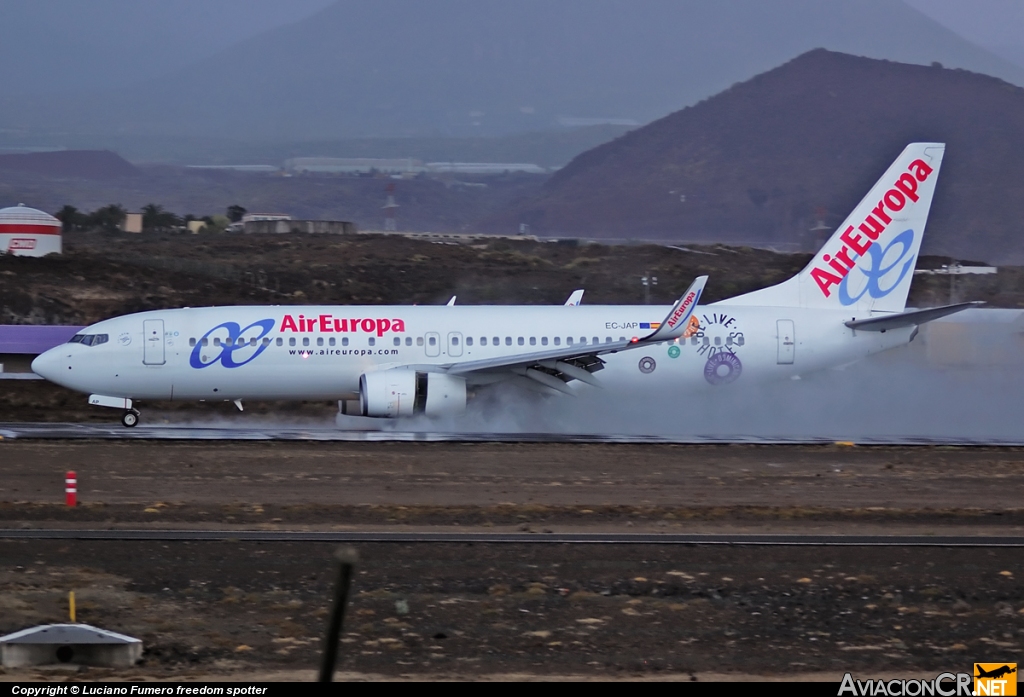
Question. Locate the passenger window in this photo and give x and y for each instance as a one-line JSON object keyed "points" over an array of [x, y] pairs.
{"points": [[521, 341], [533, 341], [408, 341], [483, 341], [319, 341], [718, 341], [206, 342], [280, 341], [291, 341], [469, 341], [694, 341], [740, 340], [398, 341], [558, 341], [332, 341], [607, 340], [455, 341], [707, 341], [728, 341], [568, 341], [583, 339], [622, 338], [192, 341], [508, 341], [344, 341], [216, 341], [419, 341], [496, 341], [305, 341], [597, 340], [543, 341], [373, 342], [252, 341], [266, 341]]}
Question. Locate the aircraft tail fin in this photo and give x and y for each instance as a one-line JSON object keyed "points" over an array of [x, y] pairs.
{"points": [[868, 263]]}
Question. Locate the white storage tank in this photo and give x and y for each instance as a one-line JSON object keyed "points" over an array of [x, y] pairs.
{"points": [[29, 232]]}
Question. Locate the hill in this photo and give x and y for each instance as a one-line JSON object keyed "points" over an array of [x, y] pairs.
{"points": [[764, 161], [487, 67]]}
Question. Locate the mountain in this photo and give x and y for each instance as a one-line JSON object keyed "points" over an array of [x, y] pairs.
{"points": [[70, 46], [764, 161], [489, 67]]}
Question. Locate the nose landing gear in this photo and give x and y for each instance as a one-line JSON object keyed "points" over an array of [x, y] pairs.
{"points": [[130, 418]]}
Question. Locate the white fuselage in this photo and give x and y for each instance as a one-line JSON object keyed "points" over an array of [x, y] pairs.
{"points": [[308, 352]]}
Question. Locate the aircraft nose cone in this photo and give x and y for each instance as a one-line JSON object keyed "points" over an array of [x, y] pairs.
{"points": [[47, 364]]}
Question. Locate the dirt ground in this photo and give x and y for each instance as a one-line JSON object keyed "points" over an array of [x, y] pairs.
{"points": [[485, 611], [544, 609]]}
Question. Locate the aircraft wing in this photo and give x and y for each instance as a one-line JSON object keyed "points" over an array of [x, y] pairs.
{"points": [[555, 367]]}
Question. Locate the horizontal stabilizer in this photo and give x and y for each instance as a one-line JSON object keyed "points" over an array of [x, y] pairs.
{"points": [[907, 319]]}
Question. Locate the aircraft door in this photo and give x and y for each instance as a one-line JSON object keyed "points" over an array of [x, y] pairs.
{"points": [[787, 341], [153, 342], [454, 344], [433, 347]]}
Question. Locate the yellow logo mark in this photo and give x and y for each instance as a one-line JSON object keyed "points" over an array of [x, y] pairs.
{"points": [[995, 679]]}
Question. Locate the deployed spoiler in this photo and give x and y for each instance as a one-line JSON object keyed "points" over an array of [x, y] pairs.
{"points": [[907, 319]]}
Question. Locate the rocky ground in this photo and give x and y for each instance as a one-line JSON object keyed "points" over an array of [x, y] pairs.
{"points": [[470, 610], [102, 274]]}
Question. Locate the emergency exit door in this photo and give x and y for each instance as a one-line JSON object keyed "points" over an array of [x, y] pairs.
{"points": [[153, 342], [787, 341], [454, 344], [433, 347]]}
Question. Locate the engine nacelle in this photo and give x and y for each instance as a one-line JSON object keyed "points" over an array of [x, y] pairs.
{"points": [[400, 392]]}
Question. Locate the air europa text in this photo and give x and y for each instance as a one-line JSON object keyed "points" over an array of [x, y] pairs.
{"points": [[329, 324], [858, 241]]}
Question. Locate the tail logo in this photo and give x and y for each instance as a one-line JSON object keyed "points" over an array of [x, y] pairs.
{"points": [[862, 240], [883, 262]]}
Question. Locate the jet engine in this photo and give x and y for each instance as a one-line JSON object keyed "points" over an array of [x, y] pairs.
{"points": [[401, 392]]}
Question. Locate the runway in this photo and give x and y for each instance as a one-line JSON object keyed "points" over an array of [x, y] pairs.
{"points": [[768, 540], [116, 432]]}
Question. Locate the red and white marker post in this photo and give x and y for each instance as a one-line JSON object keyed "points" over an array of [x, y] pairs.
{"points": [[71, 489]]}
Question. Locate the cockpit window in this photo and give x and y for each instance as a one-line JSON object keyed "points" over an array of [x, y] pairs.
{"points": [[89, 339]]}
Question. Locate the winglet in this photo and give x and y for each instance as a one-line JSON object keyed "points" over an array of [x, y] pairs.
{"points": [[678, 318], [575, 299], [452, 301]]}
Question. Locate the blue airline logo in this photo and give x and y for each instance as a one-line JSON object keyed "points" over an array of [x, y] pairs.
{"points": [[228, 348], [877, 283]]}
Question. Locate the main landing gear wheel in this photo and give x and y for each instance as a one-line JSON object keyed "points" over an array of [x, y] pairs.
{"points": [[130, 418]]}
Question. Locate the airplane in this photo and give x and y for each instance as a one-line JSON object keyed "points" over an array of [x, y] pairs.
{"points": [[399, 361], [994, 673]]}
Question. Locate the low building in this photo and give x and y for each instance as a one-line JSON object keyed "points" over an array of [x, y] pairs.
{"points": [[27, 232], [484, 168], [256, 217], [320, 227], [353, 165], [132, 222]]}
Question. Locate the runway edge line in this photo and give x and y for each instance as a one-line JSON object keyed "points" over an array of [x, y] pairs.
{"points": [[514, 538]]}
